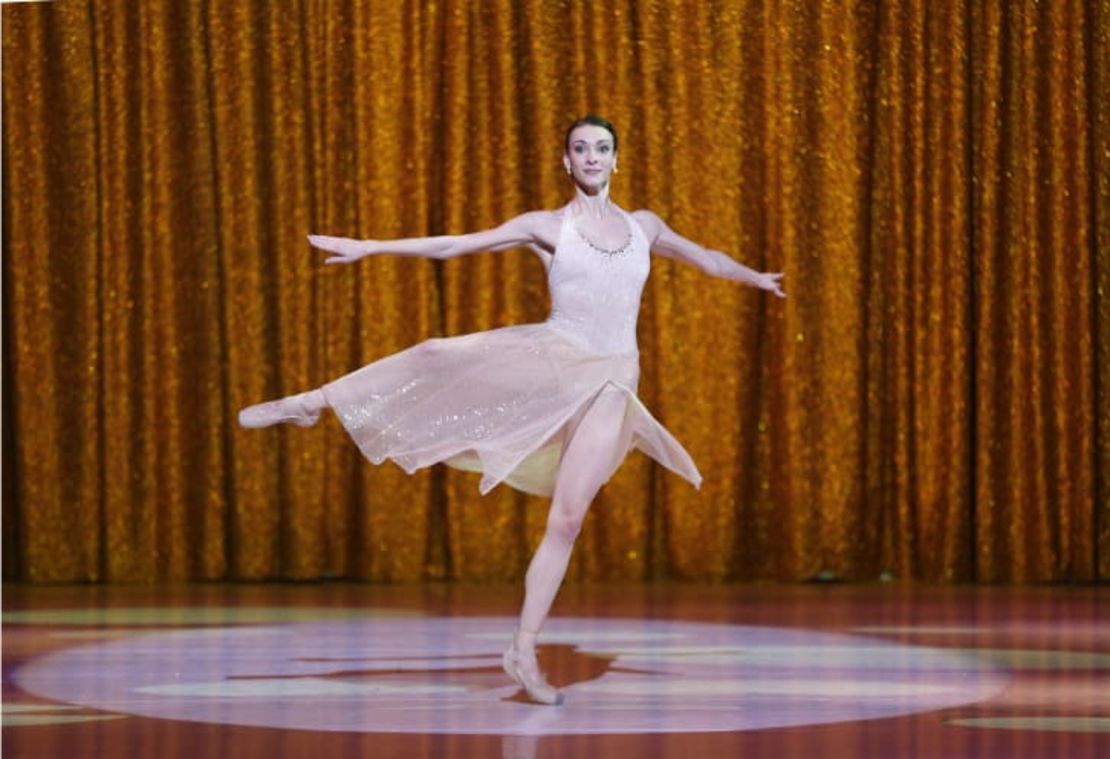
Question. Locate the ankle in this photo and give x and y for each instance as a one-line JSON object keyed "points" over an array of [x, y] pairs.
{"points": [[313, 401], [525, 641]]}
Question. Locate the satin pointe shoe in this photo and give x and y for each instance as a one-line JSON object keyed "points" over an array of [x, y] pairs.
{"points": [[294, 409], [525, 672]]}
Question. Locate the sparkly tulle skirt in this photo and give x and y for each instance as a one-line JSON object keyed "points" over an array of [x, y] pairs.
{"points": [[503, 403]]}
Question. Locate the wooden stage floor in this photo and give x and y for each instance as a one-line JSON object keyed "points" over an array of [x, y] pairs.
{"points": [[655, 670]]}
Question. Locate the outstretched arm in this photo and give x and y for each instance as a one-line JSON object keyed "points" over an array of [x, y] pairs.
{"points": [[517, 232], [669, 244]]}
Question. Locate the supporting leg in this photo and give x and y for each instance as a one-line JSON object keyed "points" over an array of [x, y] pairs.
{"points": [[587, 463]]}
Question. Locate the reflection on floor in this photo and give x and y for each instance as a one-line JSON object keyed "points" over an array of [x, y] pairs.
{"points": [[648, 670]]}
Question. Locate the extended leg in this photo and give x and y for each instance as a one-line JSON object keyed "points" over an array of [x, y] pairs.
{"points": [[302, 409], [588, 462]]}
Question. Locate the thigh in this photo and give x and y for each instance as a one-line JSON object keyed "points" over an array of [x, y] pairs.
{"points": [[591, 455]]}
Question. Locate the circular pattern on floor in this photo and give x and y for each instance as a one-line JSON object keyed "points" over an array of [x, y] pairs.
{"points": [[443, 675]]}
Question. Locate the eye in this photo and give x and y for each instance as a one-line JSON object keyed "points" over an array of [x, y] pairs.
{"points": [[604, 148], [579, 148]]}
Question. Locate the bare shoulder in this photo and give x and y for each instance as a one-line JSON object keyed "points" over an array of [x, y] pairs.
{"points": [[650, 222], [542, 226], [551, 219]]}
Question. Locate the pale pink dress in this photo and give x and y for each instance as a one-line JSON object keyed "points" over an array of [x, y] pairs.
{"points": [[505, 402]]}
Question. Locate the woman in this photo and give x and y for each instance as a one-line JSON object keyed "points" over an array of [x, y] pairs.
{"points": [[549, 408]]}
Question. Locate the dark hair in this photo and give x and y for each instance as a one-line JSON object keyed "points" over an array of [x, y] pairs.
{"points": [[592, 120]]}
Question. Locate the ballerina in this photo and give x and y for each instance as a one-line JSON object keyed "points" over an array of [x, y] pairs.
{"points": [[549, 408]]}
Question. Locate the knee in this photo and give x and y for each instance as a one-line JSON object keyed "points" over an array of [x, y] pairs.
{"points": [[563, 525]]}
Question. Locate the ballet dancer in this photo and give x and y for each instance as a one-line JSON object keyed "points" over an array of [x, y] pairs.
{"points": [[549, 408]]}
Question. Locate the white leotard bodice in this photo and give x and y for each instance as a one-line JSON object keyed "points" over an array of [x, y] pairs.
{"points": [[595, 295]]}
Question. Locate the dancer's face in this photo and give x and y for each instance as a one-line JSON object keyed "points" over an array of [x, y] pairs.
{"points": [[590, 156]]}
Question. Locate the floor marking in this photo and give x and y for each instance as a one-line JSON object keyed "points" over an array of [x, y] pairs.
{"points": [[201, 615], [443, 675], [1054, 724]]}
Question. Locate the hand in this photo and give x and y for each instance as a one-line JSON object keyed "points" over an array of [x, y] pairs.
{"points": [[769, 281], [344, 249]]}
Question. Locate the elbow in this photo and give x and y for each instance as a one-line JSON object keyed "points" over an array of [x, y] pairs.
{"points": [[450, 250], [709, 265]]}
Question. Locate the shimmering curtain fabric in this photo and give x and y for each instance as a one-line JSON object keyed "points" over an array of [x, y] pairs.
{"points": [[932, 401]]}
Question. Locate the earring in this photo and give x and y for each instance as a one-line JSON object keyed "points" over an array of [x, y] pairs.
{"points": [[568, 172], [615, 169]]}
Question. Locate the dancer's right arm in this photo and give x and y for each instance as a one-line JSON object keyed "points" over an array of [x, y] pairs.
{"points": [[517, 232]]}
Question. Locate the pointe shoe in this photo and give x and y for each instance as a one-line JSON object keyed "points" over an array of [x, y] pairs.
{"points": [[292, 409], [525, 672]]}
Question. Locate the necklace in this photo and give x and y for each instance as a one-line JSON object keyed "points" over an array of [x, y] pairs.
{"points": [[609, 252]]}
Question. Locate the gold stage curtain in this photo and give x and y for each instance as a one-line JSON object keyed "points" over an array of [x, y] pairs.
{"points": [[932, 401]]}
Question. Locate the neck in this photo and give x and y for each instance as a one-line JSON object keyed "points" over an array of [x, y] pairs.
{"points": [[595, 204]]}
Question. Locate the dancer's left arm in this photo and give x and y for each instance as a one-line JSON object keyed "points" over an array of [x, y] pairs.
{"points": [[669, 244]]}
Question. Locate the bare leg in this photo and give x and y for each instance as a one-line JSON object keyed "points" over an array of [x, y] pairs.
{"points": [[587, 464], [302, 409]]}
